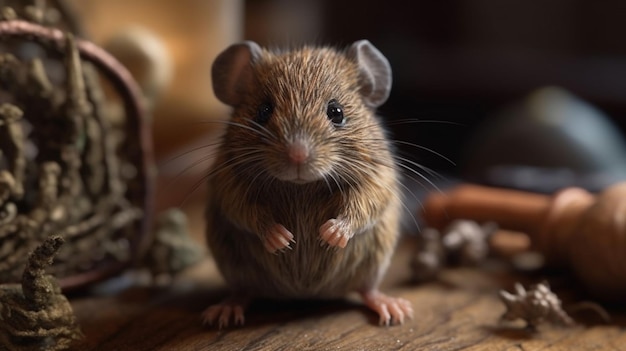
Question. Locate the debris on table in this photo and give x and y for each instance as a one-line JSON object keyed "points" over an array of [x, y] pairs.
{"points": [[173, 249], [535, 306], [429, 258], [462, 242], [467, 241]]}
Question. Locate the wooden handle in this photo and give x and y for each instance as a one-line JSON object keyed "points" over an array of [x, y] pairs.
{"points": [[572, 228], [515, 210], [550, 221]]}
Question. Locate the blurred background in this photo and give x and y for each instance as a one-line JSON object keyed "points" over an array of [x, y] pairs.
{"points": [[470, 77]]}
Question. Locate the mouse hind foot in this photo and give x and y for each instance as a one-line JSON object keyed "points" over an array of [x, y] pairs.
{"points": [[232, 308], [391, 310]]}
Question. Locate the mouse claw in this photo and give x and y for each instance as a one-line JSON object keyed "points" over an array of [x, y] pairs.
{"points": [[277, 239], [335, 233], [222, 313], [391, 310]]}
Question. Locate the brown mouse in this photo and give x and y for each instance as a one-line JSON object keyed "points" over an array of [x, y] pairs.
{"points": [[304, 198]]}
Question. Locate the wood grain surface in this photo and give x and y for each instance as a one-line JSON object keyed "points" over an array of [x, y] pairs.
{"points": [[459, 311]]}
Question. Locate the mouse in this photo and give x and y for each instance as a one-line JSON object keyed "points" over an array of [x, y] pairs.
{"points": [[304, 197]]}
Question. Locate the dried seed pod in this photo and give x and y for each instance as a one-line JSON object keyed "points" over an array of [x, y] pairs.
{"points": [[36, 315], [535, 306]]}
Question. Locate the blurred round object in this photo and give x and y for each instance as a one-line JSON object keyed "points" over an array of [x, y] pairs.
{"points": [[146, 57], [550, 140]]}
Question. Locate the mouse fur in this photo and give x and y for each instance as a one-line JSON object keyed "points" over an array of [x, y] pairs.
{"points": [[322, 223]]}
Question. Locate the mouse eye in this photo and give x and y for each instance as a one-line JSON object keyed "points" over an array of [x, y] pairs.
{"points": [[264, 112], [334, 111]]}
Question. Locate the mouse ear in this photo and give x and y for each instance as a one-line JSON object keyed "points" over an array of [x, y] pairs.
{"points": [[375, 72], [232, 71]]}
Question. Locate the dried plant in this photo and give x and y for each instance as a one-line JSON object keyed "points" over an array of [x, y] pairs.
{"points": [[35, 315], [70, 164]]}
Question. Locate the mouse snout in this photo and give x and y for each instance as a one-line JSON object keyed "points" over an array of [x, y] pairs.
{"points": [[300, 163], [298, 152]]}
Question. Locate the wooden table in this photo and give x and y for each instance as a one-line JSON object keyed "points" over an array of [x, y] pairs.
{"points": [[459, 311]]}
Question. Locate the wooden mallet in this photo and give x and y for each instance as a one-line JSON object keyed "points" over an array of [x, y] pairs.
{"points": [[572, 228]]}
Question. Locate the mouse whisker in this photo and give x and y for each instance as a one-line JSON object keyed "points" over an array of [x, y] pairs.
{"points": [[401, 157], [242, 158], [335, 177], [371, 167], [260, 171], [400, 142], [417, 120], [327, 182], [242, 154], [197, 162], [263, 128], [401, 160], [409, 175], [420, 175], [225, 165], [409, 210], [366, 129], [344, 174], [359, 166], [168, 161], [193, 189], [181, 170], [262, 131]]}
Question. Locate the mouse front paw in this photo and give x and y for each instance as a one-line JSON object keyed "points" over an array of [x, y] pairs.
{"points": [[335, 232], [277, 238]]}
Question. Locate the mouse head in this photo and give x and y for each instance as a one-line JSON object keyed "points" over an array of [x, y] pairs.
{"points": [[307, 114]]}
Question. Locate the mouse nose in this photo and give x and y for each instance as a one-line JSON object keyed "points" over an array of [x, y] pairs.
{"points": [[298, 152]]}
